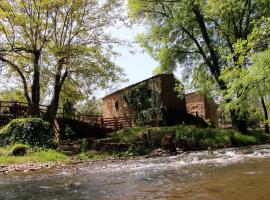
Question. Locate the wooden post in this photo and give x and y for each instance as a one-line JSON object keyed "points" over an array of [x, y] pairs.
{"points": [[102, 121], [57, 130], [115, 124]]}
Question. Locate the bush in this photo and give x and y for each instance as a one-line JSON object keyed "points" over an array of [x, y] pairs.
{"points": [[31, 131], [139, 149], [241, 139], [190, 137], [84, 145], [69, 133]]}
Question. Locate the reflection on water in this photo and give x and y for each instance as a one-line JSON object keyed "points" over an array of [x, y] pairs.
{"points": [[224, 174]]}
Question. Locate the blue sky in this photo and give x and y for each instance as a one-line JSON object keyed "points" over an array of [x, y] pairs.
{"points": [[138, 66]]}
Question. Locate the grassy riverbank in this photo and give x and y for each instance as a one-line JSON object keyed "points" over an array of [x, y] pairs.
{"points": [[186, 138], [192, 138], [32, 156], [52, 156]]}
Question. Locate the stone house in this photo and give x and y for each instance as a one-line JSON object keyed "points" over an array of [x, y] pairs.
{"points": [[169, 109], [199, 105], [162, 87]]}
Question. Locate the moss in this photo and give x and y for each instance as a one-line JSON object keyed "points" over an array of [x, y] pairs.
{"points": [[30, 131]]}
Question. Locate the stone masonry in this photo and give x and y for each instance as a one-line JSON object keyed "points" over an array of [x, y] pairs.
{"points": [[202, 106]]}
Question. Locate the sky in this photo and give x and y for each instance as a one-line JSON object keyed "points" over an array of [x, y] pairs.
{"points": [[137, 66]]}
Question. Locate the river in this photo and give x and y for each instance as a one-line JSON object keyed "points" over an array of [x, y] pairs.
{"points": [[229, 174]]}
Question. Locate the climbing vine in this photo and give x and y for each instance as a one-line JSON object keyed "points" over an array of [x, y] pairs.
{"points": [[145, 101]]}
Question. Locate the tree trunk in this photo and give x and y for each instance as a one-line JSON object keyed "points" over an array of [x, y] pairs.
{"points": [[239, 122], [266, 125], [36, 86], [53, 107], [58, 83]]}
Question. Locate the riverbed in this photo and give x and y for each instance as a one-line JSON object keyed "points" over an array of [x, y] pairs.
{"points": [[236, 173]]}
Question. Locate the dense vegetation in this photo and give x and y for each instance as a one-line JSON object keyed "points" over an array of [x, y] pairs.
{"points": [[64, 42], [51, 50], [191, 138], [31, 131], [222, 48], [145, 100]]}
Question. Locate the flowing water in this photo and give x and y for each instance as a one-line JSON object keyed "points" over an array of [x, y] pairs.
{"points": [[227, 174]]}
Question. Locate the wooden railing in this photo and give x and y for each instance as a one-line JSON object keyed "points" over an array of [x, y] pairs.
{"points": [[116, 123], [21, 109]]}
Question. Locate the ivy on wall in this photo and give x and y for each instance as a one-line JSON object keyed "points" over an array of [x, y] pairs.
{"points": [[145, 100]]}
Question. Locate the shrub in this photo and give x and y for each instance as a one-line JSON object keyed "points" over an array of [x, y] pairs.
{"points": [[190, 137], [85, 145], [241, 139], [69, 133], [31, 131], [139, 150]]}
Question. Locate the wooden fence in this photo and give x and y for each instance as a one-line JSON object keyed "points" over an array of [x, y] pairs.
{"points": [[116, 123], [21, 109]]}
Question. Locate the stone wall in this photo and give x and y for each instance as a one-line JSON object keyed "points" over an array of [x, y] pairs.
{"points": [[114, 104], [201, 106], [211, 111], [169, 96]]}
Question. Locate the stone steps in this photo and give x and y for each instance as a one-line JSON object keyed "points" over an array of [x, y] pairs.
{"points": [[70, 147]]}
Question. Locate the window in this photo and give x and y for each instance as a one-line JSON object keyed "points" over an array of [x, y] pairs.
{"points": [[116, 105], [149, 92]]}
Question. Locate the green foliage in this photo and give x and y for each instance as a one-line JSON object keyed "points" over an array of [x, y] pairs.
{"points": [[190, 138], [241, 140], [142, 96], [173, 29], [35, 155], [85, 145], [69, 133], [248, 78], [31, 131], [200, 36], [145, 100], [92, 155], [151, 116], [71, 37], [12, 94], [92, 106], [128, 135], [139, 150]]}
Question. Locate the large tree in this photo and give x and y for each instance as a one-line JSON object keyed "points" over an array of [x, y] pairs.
{"points": [[252, 80], [198, 35], [54, 43]]}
